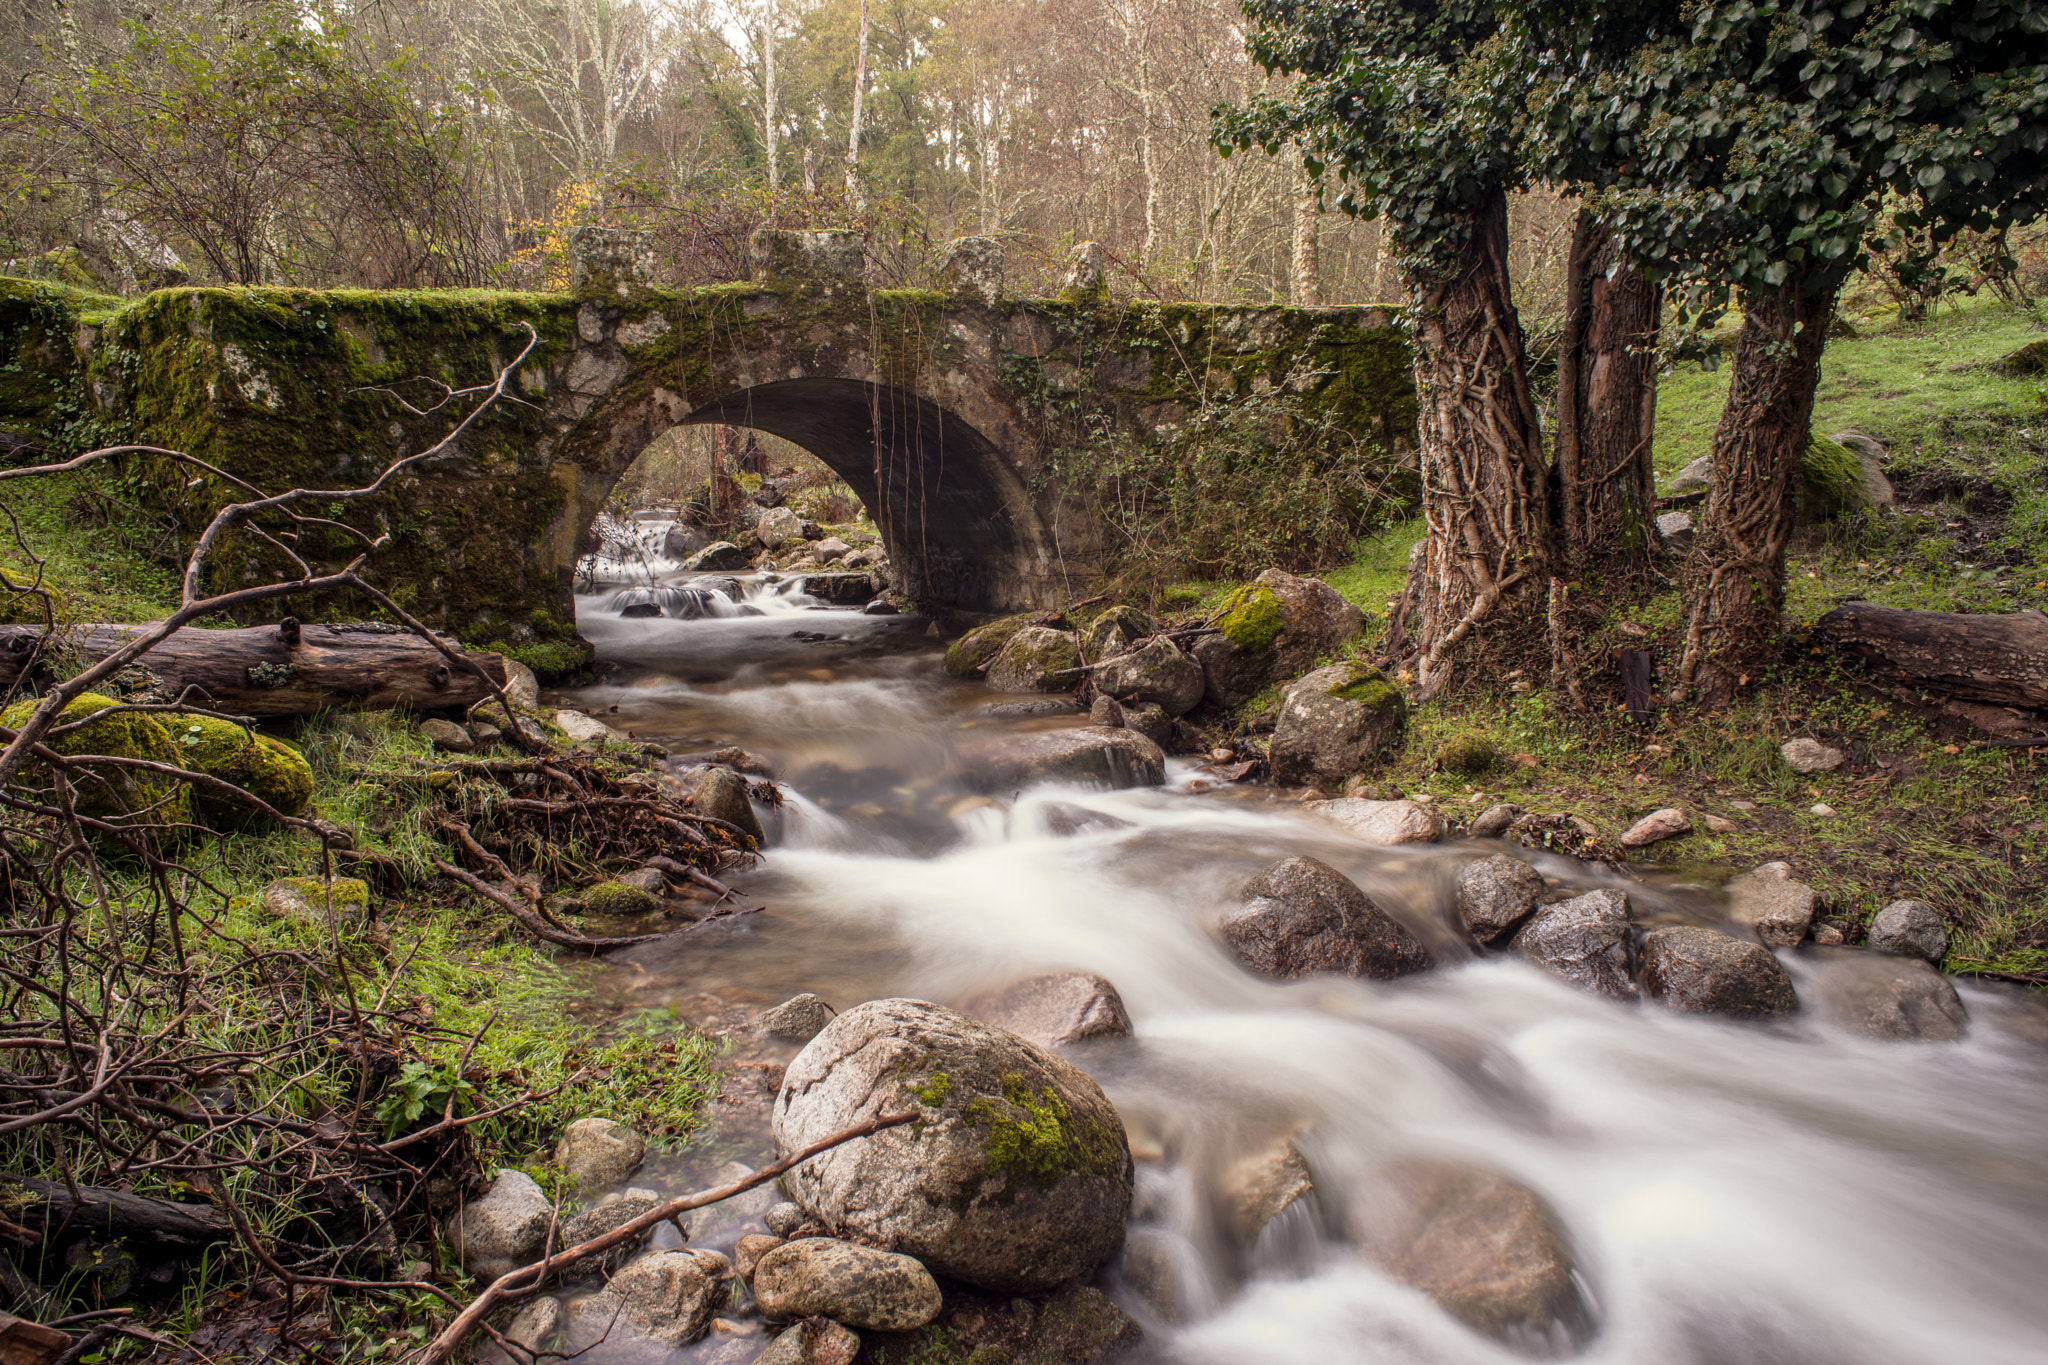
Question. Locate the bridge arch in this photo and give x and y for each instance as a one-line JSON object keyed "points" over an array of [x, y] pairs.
{"points": [[955, 513]]}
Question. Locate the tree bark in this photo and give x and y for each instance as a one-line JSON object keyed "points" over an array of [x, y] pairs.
{"points": [[854, 191], [117, 1213], [1606, 404], [1999, 659], [264, 671], [1308, 256], [1484, 478], [1735, 578]]}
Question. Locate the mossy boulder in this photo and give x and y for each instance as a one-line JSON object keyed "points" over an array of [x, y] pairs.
{"points": [[618, 898], [304, 900], [1334, 722], [1274, 627], [2031, 358], [1116, 630], [966, 655], [1467, 755], [1036, 659], [125, 734], [266, 768], [1016, 1177]]}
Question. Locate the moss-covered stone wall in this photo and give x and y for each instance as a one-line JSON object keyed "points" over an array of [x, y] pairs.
{"points": [[937, 408]]}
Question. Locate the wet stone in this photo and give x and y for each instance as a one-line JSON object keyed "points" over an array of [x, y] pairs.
{"points": [[1493, 822], [1054, 1010], [1106, 711], [855, 1285], [1496, 894], [1301, 917], [814, 1341], [1703, 971], [784, 1218], [1910, 929], [596, 1222], [1895, 999], [797, 1019], [1586, 941], [1771, 904]]}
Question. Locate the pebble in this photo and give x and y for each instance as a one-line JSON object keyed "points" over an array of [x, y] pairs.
{"points": [[1823, 810], [1810, 756], [1719, 824], [1661, 824]]}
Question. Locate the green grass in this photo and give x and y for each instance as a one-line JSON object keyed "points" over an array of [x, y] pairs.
{"points": [[1891, 381], [105, 558]]}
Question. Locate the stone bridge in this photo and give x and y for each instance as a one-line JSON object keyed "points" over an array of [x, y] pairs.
{"points": [[941, 408]]}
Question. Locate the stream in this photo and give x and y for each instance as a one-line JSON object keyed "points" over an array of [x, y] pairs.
{"points": [[1733, 1194]]}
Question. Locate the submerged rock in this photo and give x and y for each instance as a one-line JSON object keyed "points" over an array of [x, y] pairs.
{"points": [[1092, 755], [1019, 1177], [797, 1019], [856, 1285], [1897, 999], [1261, 1186], [721, 555], [667, 1295], [1036, 659], [1585, 940], [1703, 971], [1301, 917], [596, 1222], [1334, 722], [1490, 1251], [1496, 894], [1053, 1010]]}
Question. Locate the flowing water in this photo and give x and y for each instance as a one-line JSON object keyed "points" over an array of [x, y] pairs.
{"points": [[1733, 1194]]}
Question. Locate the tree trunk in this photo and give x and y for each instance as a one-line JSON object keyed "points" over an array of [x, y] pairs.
{"points": [[283, 670], [854, 192], [1484, 481], [1735, 579], [1999, 659], [1308, 255], [768, 93], [1606, 405], [117, 1213]]}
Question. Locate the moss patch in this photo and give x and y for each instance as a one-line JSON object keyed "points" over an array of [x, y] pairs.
{"points": [[966, 655], [1467, 754], [1829, 479], [1252, 618], [266, 768], [933, 1092], [617, 898], [1371, 690], [1034, 1138], [127, 734]]}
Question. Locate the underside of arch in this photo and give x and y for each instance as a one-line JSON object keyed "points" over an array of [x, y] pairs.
{"points": [[956, 517]]}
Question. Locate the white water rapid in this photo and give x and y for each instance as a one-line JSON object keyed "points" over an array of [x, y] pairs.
{"points": [[1733, 1194]]}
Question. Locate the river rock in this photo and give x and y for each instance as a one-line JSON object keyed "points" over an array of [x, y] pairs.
{"points": [[814, 1341], [596, 1222], [596, 1152], [1053, 1010], [1230, 676], [778, 526], [1493, 822], [1897, 999], [535, 1328], [1496, 894], [1258, 1188], [1773, 906], [1810, 756], [1090, 754], [502, 1231], [797, 1019], [1156, 672], [1658, 824], [1676, 531], [1301, 917], [1314, 619], [683, 540], [1334, 722], [748, 1251], [667, 1295], [1910, 929], [521, 687], [1489, 1250], [1696, 477], [1149, 719], [831, 548], [1019, 1177], [859, 1286], [1116, 630], [1036, 659], [966, 655], [446, 734], [583, 729], [784, 1218], [721, 556], [1380, 822], [1585, 940], [722, 794], [1107, 712], [1274, 627], [1704, 971], [880, 606]]}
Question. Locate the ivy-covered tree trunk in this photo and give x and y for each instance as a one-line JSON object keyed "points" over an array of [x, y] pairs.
{"points": [[1606, 406], [1735, 579], [1484, 478]]}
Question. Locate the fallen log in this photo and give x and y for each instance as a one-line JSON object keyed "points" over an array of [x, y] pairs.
{"points": [[116, 1213], [2002, 659], [287, 669]]}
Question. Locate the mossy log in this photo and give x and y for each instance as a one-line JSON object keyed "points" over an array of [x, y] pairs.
{"points": [[49, 1206], [2000, 659], [281, 670]]}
